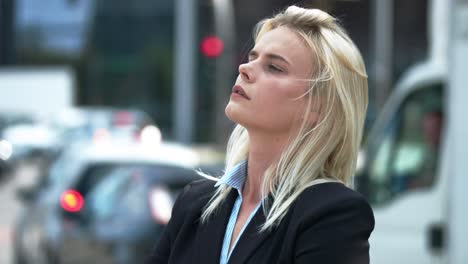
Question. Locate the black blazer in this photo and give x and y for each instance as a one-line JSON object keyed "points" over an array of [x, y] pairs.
{"points": [[327, 224]]}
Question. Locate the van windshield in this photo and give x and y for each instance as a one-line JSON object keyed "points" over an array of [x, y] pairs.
{"points": [[404, 156]]}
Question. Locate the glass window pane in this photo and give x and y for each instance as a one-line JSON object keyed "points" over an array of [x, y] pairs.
{"points": [[405, 157]]}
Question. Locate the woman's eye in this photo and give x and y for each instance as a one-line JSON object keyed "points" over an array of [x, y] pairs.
{"points": [[273, 68]]}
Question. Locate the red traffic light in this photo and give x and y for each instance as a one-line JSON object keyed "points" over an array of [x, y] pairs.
{"points": [[71, 201], [212, 46]]}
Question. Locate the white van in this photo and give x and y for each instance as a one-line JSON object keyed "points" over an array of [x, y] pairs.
{"points": [[415, 159], [402, 176]]}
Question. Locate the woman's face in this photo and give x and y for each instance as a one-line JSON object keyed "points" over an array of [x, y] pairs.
{"points": [[265, 97]]}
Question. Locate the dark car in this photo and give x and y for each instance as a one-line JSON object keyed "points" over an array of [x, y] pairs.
{"points": [[103, 204]]}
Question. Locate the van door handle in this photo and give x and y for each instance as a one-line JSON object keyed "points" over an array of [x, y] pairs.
{"points": [[436, 235]]}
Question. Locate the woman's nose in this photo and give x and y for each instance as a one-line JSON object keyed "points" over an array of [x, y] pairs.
{"points": [[246, 72]]}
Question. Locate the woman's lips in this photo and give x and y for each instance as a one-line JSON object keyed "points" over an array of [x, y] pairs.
{"points": [[237, 89]]}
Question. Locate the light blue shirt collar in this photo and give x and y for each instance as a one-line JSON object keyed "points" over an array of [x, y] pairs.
{"points": [[235, 177]]}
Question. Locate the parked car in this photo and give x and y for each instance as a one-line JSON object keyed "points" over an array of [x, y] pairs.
{"points": [[102, 203]]}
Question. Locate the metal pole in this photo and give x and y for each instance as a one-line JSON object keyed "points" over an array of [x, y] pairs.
{"points": [[225, 68], [458, 127], [383, 48], [184, 81]]}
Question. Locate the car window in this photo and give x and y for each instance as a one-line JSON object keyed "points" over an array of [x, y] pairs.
{"points": [[105, 195], [405, 157], [92, 176], [169, 174], [61, 169], [125, 189]]}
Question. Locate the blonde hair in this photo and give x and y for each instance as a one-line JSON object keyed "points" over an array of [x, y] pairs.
{"points": [[328, 150]]}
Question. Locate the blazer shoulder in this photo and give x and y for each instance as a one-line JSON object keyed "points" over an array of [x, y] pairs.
{"points": [[330, 218], [331, 198], [194, 196], [330, 193], [198, 188]]}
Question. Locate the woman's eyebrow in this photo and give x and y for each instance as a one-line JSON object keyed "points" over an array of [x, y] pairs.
{"points": [[254, 54]]}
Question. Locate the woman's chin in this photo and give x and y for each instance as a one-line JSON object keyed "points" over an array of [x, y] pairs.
{"points": [[230, 113], [233, 114]]}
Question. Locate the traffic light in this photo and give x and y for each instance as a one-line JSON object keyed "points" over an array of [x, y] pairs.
{"points": [[211, 46]]}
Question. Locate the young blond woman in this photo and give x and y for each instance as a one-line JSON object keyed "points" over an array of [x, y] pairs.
{"points": [[299, 104]]}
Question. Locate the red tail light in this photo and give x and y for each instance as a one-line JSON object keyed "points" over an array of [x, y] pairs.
{"points": [[71, 201]]}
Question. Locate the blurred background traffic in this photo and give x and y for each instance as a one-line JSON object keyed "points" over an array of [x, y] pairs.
{"points": [[108, 108]]}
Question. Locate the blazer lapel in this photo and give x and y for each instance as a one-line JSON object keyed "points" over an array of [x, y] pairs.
{"points": [[210, 235], [250, 239]]}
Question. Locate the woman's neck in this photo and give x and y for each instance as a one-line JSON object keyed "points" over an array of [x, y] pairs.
{"points": [[263, 151]]}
